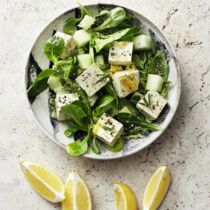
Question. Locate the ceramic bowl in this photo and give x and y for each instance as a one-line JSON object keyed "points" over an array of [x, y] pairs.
{"points": [[40, 108]]}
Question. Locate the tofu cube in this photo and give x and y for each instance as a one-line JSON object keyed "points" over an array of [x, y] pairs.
{"points": [[125, 82], [70, 44], [62, 100], [121, 53], [153, 107], [91, 80], [107, 129]]}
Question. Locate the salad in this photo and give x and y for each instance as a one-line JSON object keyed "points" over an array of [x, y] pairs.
{"points": [[107, 80]]}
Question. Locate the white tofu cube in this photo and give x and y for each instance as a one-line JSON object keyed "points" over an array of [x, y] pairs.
{"points": [[70, 44], [62, 100], [107, 129], [91, 80], [121, 53], [125, 82], [153, 107]]}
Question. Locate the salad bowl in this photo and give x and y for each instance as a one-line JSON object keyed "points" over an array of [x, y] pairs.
{"points": [[40, 104]]}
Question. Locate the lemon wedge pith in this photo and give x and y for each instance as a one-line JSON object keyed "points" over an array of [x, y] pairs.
{"points": [[76, 193], [45, 182], [156, 188], [125, 197]]}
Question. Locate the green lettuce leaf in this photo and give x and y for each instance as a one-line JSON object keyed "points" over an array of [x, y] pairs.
{"points": [[40, 83], [114, 18], [158, 65], [77, 112], [79, 147], [70, 25], [53, 48], [100, 41], [118, 146]]}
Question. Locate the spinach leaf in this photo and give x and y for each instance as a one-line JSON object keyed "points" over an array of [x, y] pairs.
{"points": [[78, 113], [95, 146], [118, 146], [73, 87], [141, 60], [115, 17], [166, 88], [67, 68], [132, 32], [130, 121], [124, 102], [136, 97], [110, 89], [100, 18], [72, 128], [106, 104], [158, 65], [79, 147], [70, 25], [40, 83], [100, 41], [53, 48]]}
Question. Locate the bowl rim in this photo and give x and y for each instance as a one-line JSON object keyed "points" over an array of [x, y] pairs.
{"points": [[178, 83]]}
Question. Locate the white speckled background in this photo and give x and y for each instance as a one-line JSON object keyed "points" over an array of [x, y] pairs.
{"points": [[184, 147]]}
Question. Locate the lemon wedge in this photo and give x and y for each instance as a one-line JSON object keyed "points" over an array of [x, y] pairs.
{"points": [[156, 188], [43, 181], [125, 197], [76, 193]]}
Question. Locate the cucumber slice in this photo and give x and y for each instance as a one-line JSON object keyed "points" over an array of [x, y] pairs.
{"points": [[87, 22], [143, 42], [81, 37], [154, 82], [55, 84], [99, 60], [85, 60]]}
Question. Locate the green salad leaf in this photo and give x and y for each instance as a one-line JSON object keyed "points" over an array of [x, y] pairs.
{"points": [[95, 146], [72, 128], [67, 68], [70, 25], [158, 65], [79, 147], [114, 18], [105, 104], [166, 88], [118, 146], [100, 41], [130, 120], [73, 87], [100, 17], [124, 102], [40, 83], [136, 97], [110, 90], [53, 48], [141, 60], [78, 113]]}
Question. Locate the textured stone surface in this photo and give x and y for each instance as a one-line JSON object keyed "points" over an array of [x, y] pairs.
{"points": [[184, 147]]}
